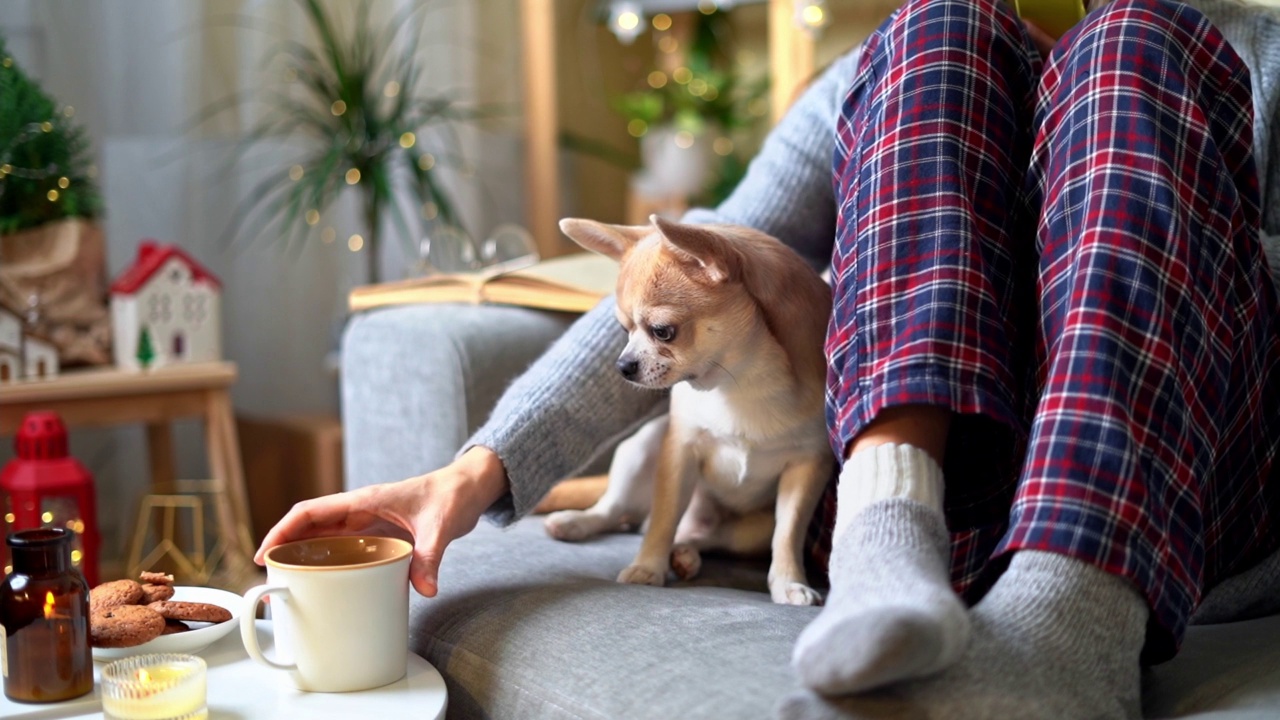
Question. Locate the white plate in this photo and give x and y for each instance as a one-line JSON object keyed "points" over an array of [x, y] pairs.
{"points": [[192, 641]]}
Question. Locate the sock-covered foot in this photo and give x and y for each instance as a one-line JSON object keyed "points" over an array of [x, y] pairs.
{"points": [[891, 613], [1055, 638], [1253, 593]]}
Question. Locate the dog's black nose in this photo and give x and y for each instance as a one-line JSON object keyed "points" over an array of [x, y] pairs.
{"points": [[628, 368]]}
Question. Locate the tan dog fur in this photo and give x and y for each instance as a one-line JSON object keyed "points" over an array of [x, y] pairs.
{"points": [[740, 462], [573, 494]]}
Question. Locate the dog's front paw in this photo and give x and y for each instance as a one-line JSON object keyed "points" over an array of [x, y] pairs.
{"points": [[643, 575], [794, 593], [686, 561], [570, 525]]}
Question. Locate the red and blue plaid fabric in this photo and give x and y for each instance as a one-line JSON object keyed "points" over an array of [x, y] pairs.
{"points": [[1066, 255]]}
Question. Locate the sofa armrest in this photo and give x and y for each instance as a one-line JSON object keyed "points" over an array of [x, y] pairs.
{"points": [[417, 380]]}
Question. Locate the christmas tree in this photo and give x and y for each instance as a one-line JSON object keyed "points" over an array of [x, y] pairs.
{"points": [[146, 352], [46, 172]]}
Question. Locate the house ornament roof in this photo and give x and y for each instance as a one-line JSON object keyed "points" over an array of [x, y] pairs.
{"points": [[151, 257]]}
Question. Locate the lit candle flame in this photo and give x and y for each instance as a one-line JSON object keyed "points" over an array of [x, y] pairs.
{"points": [[48, 605], [144, 676]]}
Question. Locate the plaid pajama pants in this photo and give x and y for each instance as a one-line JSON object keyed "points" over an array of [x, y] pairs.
{"points": [[1065, 253]]}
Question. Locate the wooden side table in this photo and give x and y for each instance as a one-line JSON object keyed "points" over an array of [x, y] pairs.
{"points": [[107, 397]]}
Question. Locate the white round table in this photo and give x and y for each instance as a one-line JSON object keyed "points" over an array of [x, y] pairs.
{"points": [[241, 689]]}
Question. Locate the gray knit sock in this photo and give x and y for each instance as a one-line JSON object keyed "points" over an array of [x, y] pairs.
{"points": [[1251, 594], [1055, 638], [891, 613]]}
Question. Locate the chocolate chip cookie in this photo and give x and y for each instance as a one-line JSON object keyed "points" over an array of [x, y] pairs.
{"points": [[124, 626], [114, 593], [155, 593], [190, 611]]}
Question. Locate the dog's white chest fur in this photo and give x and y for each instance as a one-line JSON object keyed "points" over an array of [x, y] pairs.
{"points": [[739, 455]]}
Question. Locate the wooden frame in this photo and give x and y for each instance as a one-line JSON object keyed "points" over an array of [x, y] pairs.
{"points": [[541, 123], [791, 52]]}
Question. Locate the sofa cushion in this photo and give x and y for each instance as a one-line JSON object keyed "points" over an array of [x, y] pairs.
{"points": [[1229, 671], [417, 380], [528, 627]]}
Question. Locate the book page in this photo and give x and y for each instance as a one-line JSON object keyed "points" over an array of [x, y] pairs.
{"points": [[572, 283], [587, 272]]}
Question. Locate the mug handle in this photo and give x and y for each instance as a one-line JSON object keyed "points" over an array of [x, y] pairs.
{"points": [[248, 628]]}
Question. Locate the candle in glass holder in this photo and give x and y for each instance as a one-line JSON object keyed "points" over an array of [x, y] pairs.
{"points": [[163, 686], [44, 620]]}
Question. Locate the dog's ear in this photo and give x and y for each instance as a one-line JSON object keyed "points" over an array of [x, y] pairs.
{"points": [[702, 247], [610, 240]]}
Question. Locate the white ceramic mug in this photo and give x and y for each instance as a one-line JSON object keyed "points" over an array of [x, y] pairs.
{"points": [[339, 612]]}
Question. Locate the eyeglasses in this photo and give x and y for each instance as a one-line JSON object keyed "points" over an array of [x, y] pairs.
{"points": [[450, 250]]}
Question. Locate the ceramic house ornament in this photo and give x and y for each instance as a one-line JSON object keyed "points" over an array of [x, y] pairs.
{"points": [[165, 309], [39, 357], [24, 355], [10, 345]]}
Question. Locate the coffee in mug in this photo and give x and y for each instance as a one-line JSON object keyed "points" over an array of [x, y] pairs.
{"points": [[339, 611]]}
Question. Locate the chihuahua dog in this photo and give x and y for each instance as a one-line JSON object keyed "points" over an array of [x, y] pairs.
{"points": [[732, 321]]}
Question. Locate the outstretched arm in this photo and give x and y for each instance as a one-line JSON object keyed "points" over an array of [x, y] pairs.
{"points": [[570, 403]]}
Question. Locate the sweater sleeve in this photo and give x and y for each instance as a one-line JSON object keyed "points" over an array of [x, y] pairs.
{"points": [[1266, 79], [1254, 33], [1265, 72], [571, 402]]}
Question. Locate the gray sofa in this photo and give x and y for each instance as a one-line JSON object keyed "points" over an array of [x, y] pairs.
{"points": [[528, 627]]}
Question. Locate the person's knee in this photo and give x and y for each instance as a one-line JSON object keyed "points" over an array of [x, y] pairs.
{"points": [[978, 16], [1118, 24], [955, 8], [1137, 37], [1158, 11]]}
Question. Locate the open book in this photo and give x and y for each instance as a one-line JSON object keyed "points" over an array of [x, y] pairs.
{"points": [[571, 283]]}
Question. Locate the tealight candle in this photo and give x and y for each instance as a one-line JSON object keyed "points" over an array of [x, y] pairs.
{"points": [[155, 687]]}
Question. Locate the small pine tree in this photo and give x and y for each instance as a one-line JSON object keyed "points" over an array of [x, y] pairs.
{"points": [[44, 156], [146, 351]]}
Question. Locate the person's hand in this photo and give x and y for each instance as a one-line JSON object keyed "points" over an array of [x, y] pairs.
{"points": [[1043, 41], [429, 511]]}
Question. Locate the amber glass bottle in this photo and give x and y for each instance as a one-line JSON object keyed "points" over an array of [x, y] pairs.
{"points": [[44, 612]]}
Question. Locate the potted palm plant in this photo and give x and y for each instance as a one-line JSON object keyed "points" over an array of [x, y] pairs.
{"points": [[354, 101]]}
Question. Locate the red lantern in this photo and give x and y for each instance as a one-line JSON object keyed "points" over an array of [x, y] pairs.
{"points": [[42, 487]]}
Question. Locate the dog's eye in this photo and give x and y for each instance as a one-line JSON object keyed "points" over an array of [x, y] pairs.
{"points": [[663, 333]]}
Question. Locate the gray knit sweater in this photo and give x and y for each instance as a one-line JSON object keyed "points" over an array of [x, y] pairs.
{"points": [[571, 403]]}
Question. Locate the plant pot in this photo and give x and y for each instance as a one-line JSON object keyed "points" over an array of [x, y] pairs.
{"points": [[59, 271], [669, 170]]}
